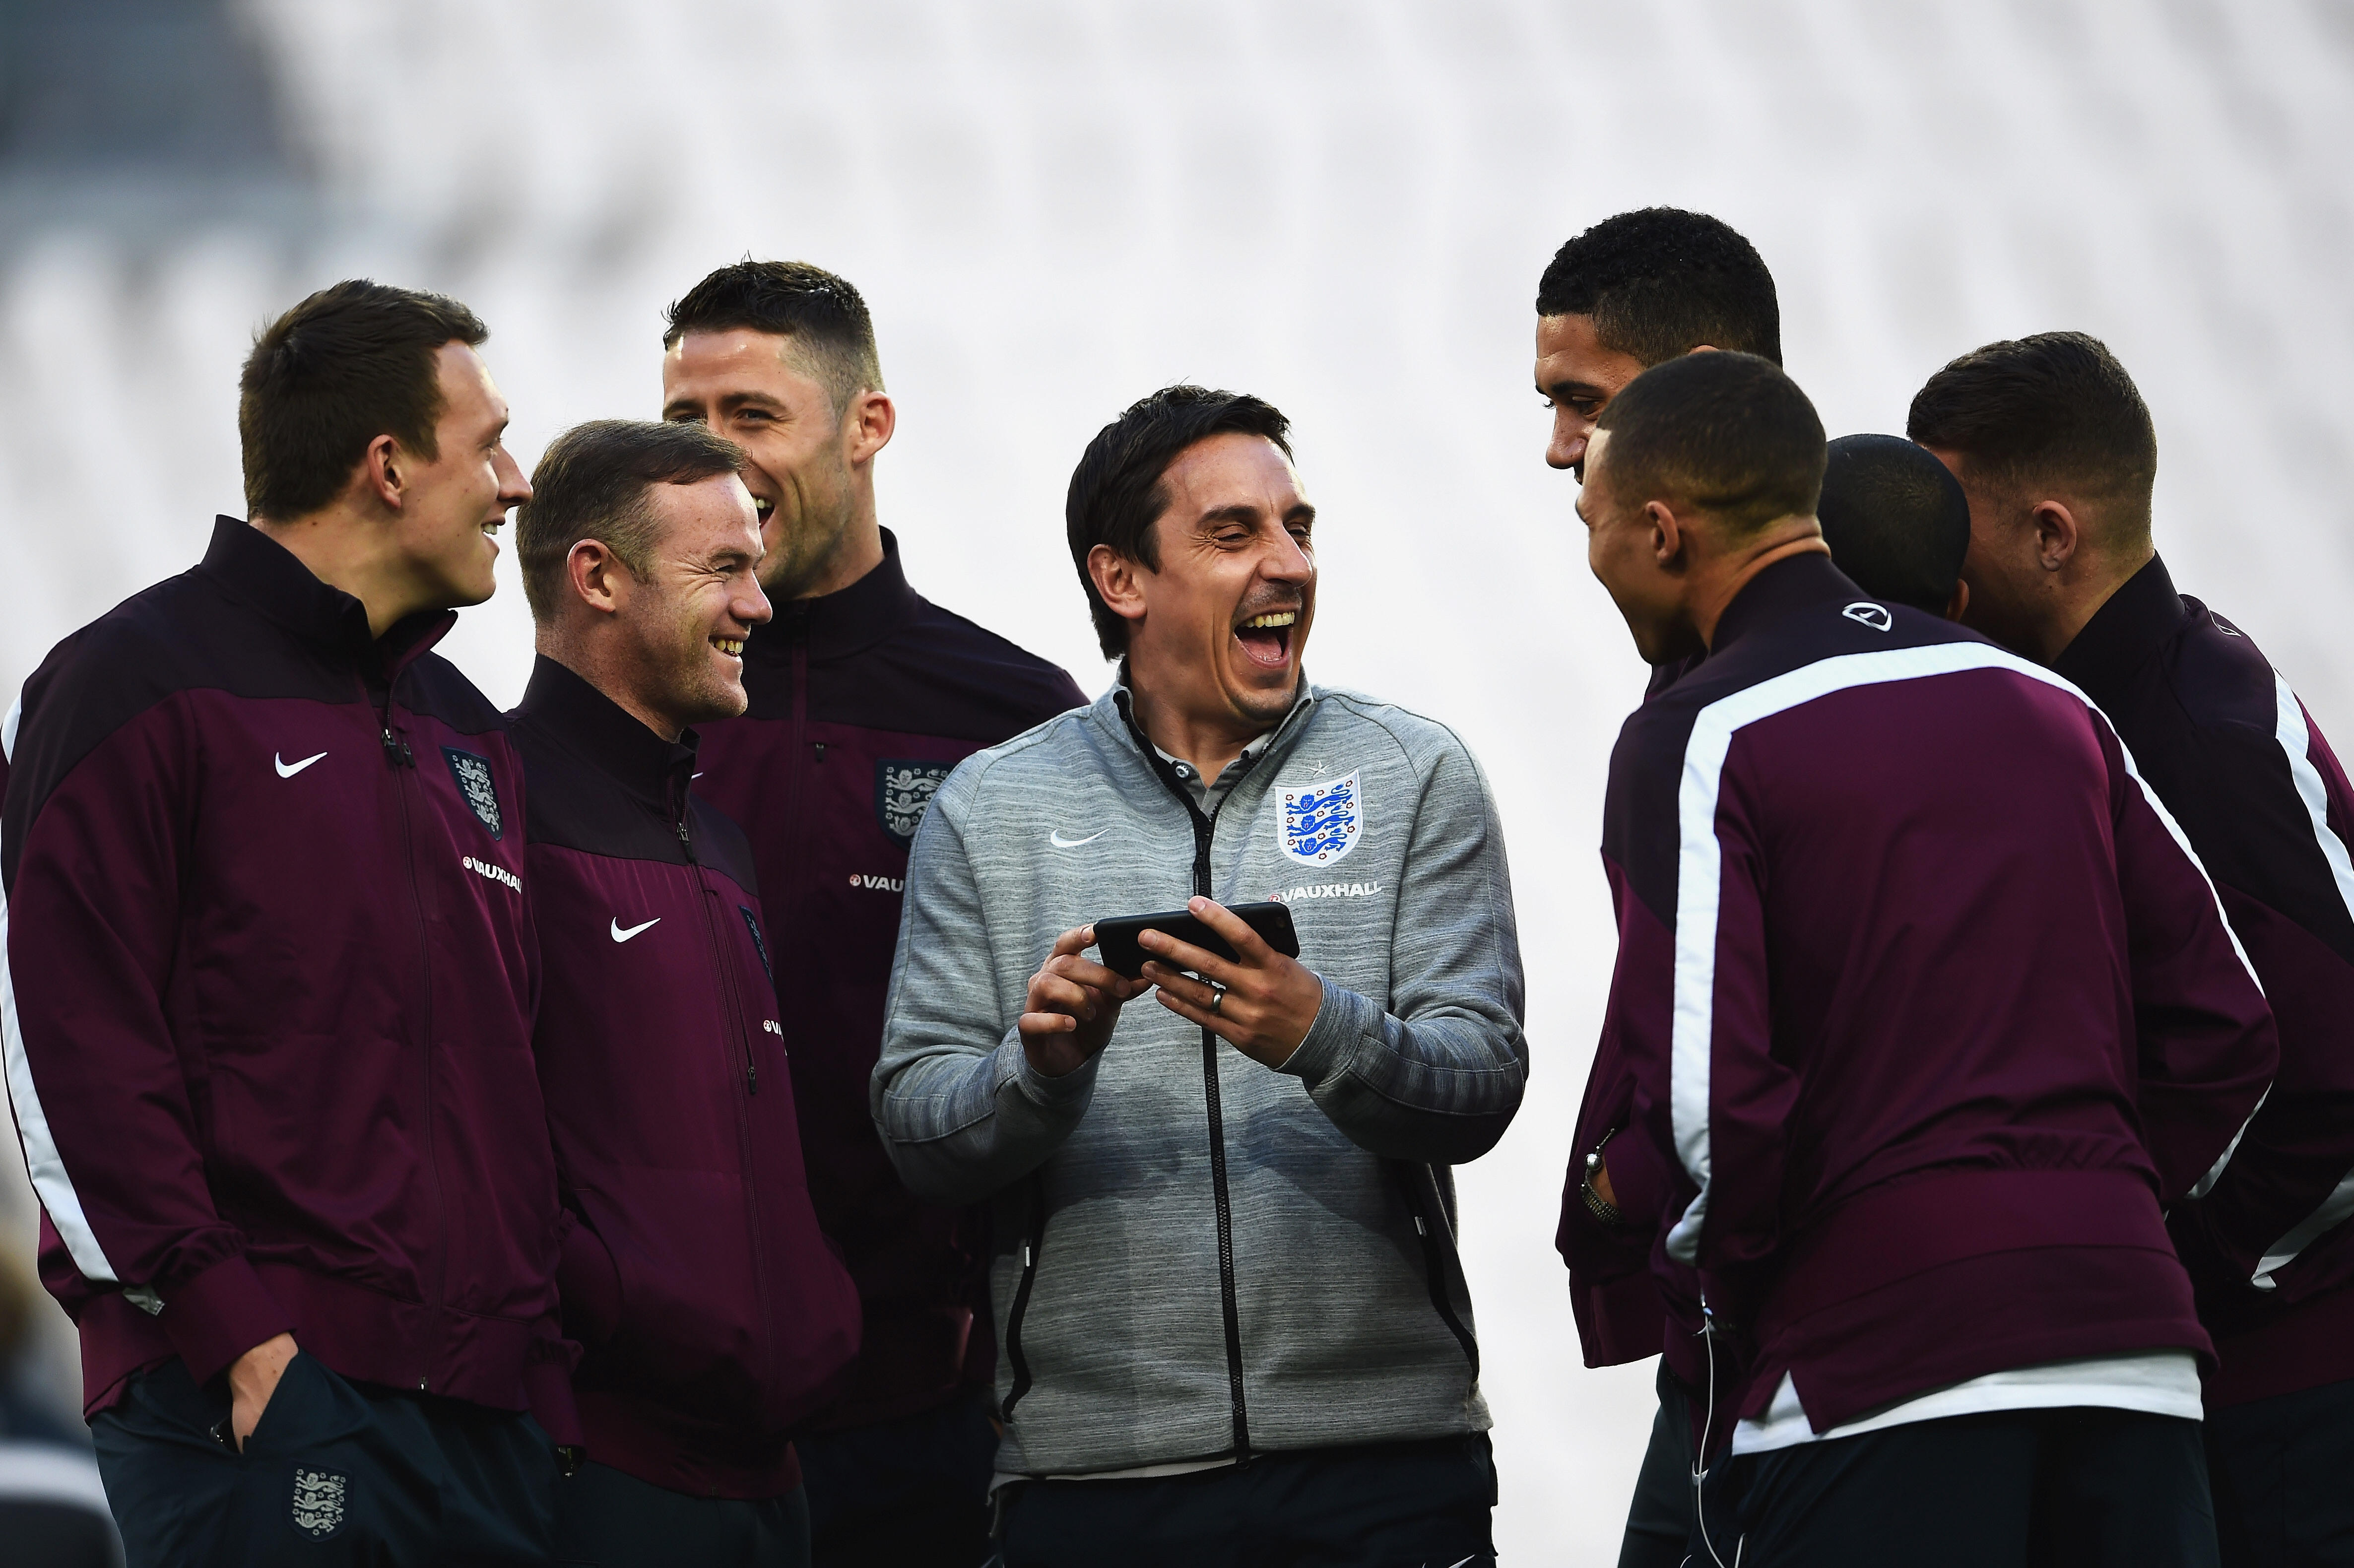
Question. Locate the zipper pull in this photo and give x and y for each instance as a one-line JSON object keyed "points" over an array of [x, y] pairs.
{"points": [[821, 749], [396, 750], [752, 1075]]}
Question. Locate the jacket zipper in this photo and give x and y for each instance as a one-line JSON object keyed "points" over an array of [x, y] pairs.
{"points": [[1033, 1243], [1204, 834], [712, 931], [399, 757]]}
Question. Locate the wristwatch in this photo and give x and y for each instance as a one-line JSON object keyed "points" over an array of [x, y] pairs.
{"points": [[1600, 1207]]}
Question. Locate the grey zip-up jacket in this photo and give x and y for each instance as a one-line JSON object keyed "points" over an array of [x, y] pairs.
{"points": [[1198, 1256]]}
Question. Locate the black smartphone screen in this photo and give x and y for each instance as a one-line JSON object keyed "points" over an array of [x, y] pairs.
{"points": [[1123, 954]]}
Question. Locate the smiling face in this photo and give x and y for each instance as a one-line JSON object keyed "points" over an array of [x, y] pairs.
{"points": [[1577, 377], [1218, 631], [452, 506], [758, 390], [684, 622]]}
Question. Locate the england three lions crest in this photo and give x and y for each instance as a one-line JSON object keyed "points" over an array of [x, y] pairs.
{"points": [[476, 788], [319, 1501], [903, 793], [1321, 821]]}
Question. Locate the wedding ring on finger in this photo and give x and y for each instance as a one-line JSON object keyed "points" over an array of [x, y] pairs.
{"points": [[1218, 996]]}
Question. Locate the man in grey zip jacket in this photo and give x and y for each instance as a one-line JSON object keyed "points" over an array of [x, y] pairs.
{"points": [[1225, 1220]]}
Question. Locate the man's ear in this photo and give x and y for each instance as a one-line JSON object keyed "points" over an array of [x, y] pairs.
{"points": [[1667, 536], [383, 475], [2057, 534], [1959, 605], [596, 575], [866, 426], [1116, 579]]}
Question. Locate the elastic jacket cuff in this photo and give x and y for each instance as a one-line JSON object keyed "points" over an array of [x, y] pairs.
{"points": [[1040, 1089], [215, 1317], [1331, 1044], [589, 1283]]}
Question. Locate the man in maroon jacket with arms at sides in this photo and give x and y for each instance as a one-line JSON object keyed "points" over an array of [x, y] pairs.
{"points": [[2058, 453], [714, 1314], [1933, 1012], [863, 698], [270, 980]]}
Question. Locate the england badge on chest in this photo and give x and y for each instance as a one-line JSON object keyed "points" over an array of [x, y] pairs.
{"points": [[1320, 821]]}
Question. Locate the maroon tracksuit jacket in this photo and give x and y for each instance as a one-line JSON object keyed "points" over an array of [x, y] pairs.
{"points": [[271, 970], [2227, 746], [714, 1314], [1927, 1010], [863, 700]]}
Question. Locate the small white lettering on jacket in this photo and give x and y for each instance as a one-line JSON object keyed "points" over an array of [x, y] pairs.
{"points": [[1326, 890], [496, 873], [771, 1026], [884, 883]]}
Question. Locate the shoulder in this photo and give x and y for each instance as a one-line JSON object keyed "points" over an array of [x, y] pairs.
{"points": [[2220, 678], [1049, 752], [1420, 741], [162, 640], [1025, 681], [441, 689]]}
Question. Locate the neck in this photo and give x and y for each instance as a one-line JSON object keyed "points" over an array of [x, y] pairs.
{"points": [[1209, 741], [606, 669], [859, 552], [348, 551], [1720, 580], [2085, 584]]}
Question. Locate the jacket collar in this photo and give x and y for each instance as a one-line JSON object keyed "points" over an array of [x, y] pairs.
{"points": [[1116, 709], [271, 578], [2123, 634], [601, 731], [1792, 583], [838, 624]]}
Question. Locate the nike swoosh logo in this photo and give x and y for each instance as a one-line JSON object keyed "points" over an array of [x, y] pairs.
{"points": [[1059, 842], [621, 936], [288, 769]]}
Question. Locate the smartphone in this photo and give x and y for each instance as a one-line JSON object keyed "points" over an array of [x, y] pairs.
{"points": [[1123, 954]]}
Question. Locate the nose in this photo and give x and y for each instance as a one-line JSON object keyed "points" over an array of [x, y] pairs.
{"points": [[752, 606], [513, 488], [1287, 562], [1567, 448]]}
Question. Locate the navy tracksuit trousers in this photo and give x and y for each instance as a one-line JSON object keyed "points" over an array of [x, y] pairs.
{"points": [[336, 1473]]}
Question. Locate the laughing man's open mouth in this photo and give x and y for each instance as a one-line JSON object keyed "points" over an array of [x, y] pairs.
{"points": [[1266, 638]]}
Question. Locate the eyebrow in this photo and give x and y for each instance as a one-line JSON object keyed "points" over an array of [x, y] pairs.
{"points": [[1571, 387], [1241, 511]]}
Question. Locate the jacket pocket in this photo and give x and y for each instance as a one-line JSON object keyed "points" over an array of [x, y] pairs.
{"points": [[687, 1330]]}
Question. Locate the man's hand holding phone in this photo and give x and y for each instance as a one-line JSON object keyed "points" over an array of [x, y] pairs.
{"points": [[1072, 1005], [1262, 1005]]}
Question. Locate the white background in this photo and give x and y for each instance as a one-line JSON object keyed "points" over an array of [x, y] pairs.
{"points": [[1053, 208]]}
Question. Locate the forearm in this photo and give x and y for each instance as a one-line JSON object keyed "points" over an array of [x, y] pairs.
{"points": [[1440, 1088], [960, 1125]]}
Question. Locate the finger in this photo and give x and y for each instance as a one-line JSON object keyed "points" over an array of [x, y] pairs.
{"points": [[1176, 955], [1077, 939], [1247, 943], [1047, 1024], [1052, 993], [1196, 992], [1086, 973], [1225, 1028]]}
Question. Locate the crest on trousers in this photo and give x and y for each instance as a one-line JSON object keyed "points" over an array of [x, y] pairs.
{"points": [[903, 791], [319, 1501], [1320, 821], [475, 786]]}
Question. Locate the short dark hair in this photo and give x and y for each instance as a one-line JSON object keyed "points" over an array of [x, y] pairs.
{"points": [[2054, 409], [1115, 494], [1896, 519], [593, 482], [1661, 282], [349, 363], [1727, 433], [816, 309]]}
